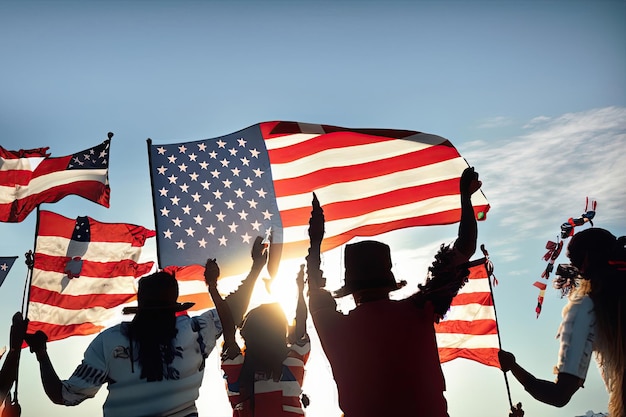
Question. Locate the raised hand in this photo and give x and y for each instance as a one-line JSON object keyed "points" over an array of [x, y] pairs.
{"points": [[18, 331], [316, 222], [211, 272], [36, 341], [259, 252], [469, 182]]}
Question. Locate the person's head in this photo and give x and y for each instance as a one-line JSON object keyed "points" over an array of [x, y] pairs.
{"points": [[264, 328], [154, 324], [591, 251], [368, 271], [158, 293]]}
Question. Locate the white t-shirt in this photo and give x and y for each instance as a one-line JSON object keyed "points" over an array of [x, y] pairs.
{"points": [[577, 334], [107, 360]]}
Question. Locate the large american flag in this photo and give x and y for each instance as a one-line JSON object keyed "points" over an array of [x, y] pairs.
{"points": [[31, 177], [212, 197]]}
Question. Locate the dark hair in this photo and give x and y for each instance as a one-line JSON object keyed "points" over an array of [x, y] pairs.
{"points": [[154, 333], [264, 330], [601, 256], [444, 280]]}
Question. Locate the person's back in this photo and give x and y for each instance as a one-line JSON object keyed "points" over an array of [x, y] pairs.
{"points": [[400, 376], [129, 394], [384, 353]]}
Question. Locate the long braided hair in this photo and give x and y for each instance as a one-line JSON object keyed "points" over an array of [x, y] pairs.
{"points": [[601, 259]]}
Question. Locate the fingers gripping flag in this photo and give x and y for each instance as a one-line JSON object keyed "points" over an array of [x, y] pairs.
{"points": [[31, 177], [212, 197], [83, 269]]}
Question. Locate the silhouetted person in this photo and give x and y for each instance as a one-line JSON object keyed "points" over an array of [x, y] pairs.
{"points": [[594, 320], [265, 379], [8, 373], [154, 364], [384, 353]]}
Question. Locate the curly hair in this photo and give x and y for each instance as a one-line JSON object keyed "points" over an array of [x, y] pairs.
{"points": [[444, 280]]}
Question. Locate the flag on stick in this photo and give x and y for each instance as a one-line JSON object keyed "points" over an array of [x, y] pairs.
{"points": [[6, 262], [212, 197], [31, 177], [469, 330], [83, 269]]}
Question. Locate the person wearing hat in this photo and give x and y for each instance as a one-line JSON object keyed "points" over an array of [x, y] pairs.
{"points": [[383, 353], [154, 364]]}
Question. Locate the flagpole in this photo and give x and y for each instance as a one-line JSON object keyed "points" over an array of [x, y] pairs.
{"points": [[30, 261], [495, 314], [154, 209]]}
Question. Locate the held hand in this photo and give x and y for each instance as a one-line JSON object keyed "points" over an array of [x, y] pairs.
{"points": [[259, 251], [507, 360], [316, 222], [469, 182], [211, 272], [36, 341], [18, 331]]}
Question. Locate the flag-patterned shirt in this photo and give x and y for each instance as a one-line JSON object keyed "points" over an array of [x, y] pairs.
{"points": [[108, 360], [271, 398]]}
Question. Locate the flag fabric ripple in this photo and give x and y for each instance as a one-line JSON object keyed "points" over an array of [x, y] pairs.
{"points": [[83, 269], [31, 177], [212, 197], [469, 329]]}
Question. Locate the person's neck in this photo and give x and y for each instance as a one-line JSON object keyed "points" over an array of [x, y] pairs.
{"points": [[369, 296]]}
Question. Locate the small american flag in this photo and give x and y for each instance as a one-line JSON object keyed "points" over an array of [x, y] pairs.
{"points": [[469, 329], [31, 177], [212, 197], [83, 270], [6, 262]]}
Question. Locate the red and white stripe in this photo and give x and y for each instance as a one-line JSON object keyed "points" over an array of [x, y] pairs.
{"points": [[368, 182], [29, 178], [469, 329], [63, 307]]}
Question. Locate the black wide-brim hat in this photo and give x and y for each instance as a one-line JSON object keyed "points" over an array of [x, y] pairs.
{"points": [[368, 266], [158, 292]]}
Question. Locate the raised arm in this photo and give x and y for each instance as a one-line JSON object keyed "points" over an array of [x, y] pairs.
{"points": [[211, 274], [448, 272], [316, 235], [320, 301], [52, 384], [8, 374], [298, 332], [238, 300], [468, 230]]}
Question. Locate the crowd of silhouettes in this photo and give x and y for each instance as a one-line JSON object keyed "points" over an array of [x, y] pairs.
{"points": [[383, 354]]}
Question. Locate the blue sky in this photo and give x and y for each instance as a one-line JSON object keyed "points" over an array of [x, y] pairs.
{"points": [[532, 93]]}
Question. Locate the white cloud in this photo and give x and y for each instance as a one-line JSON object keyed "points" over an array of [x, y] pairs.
{"points": [[493, 122], [543, 177], [534, 121]]}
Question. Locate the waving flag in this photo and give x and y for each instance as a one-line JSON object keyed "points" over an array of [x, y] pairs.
{"points": [[6, 262], [212, 197], [30, 177], [469, 330], [83, 269]]}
